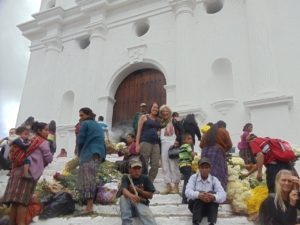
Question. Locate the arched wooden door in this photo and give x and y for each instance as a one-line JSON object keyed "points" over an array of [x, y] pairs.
{"points": [[146, 85]]}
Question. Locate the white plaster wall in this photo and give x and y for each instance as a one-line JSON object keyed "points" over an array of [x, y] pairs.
{"points": [[221, 35]]}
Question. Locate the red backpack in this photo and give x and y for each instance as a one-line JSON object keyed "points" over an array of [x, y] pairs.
{"points": [[281, 150]]}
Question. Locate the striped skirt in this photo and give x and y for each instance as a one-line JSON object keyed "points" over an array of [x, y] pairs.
{"points": [[87, 179], [219, 168], [18, 190]]}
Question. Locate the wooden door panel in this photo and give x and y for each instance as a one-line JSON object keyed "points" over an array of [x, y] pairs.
{"points": [[146, 85]]}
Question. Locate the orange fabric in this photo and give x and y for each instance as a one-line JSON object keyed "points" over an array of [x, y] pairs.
{"points": [[18, 155], [222, 140], [34, 209]]}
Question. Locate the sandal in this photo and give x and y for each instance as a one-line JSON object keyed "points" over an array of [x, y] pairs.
{"points": [[83, 213]]}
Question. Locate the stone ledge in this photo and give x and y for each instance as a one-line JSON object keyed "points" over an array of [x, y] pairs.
{"points": [[237, 220]]}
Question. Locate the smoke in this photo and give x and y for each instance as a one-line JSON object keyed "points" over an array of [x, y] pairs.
{"points": [[120, 132]]}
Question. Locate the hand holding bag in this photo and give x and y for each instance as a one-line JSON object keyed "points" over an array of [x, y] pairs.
{"points": [[173, 152]]}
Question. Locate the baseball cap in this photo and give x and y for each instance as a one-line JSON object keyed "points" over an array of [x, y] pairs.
{"points": [[143, 104], [135, 163], [203, 161]]}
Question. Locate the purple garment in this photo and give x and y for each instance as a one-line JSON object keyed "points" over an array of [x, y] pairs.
{"points": [[243, 143], [39, 159], [218, 162]]}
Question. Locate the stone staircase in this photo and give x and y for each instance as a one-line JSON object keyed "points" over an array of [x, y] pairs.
{"points": [[167, 209]]}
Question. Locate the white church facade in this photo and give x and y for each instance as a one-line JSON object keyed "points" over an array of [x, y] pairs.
{"points": [[235, 60]]}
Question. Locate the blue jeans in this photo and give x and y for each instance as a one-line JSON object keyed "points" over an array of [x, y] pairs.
{"points": [[143, 212]]}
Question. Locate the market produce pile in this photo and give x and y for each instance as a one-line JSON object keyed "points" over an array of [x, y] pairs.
{"points": [[245, 194], [65, 181]]}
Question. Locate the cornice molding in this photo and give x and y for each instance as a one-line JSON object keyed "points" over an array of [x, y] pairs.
{"points": [[57, 18], [107, 98], [52, 43], [170, 87], [268, 101], [97, 29], [223, 106], [65, 127], [197, 111], [183, 6]]}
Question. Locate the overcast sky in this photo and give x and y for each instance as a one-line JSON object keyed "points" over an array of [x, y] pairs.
{"points": [[14, 56]]}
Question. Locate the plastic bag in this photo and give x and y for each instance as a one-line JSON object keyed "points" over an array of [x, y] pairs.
{"points": [[60, 204], [4, 220], [106, 195], [173, 152]]}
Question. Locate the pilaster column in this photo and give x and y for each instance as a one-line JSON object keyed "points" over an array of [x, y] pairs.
{"points": [[263, 73], [53, 47], [183, 10], [95, 70]]}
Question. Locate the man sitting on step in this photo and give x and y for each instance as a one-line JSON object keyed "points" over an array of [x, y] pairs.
{"points": [[136, 190], [204, 192]]}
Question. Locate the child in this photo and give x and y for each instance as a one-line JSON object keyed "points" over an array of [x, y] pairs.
{"points": [[22, 143], [186, 155], [245, 152], [63, 153], [131, 154]]}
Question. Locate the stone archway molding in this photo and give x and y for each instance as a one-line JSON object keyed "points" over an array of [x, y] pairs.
{"points": [[123, 71]]}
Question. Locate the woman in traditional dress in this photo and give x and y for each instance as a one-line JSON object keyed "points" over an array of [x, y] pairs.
{"points": [[215, 144], [91, 152], [19, 191]]}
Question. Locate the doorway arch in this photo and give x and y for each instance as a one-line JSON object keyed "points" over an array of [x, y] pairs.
{"points": [[144, 85]]}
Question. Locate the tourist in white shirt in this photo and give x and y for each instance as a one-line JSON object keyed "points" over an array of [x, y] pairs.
{"points": [[205, 193]]}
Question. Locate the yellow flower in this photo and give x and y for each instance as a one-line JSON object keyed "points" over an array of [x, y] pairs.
{"points": [[258, 195]]}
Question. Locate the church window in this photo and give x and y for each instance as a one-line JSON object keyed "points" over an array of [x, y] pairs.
{"points": [[141, 27], [213, 6], [66, 109], [84, 42], [222, 78]]}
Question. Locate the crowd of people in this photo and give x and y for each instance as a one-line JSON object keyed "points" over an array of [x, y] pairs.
{"points": [[159, 138]]}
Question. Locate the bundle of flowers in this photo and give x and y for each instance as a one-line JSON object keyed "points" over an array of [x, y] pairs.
{"points": [[110, 147], [257, 196], [235, 161], [120, 145], [195, 163], [108, 173], [70, 166], [246, 194], [297, 151]]}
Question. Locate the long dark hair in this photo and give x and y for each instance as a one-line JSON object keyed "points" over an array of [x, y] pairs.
{"points": [[190, 119], [38, 126], [211, 135], [221, 124], [246, 126], [52, 126], [152, 106], [28, 122], [87, 111]]}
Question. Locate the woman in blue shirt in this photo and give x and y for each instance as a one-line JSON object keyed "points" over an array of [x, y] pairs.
{"points": [[91, 151]]}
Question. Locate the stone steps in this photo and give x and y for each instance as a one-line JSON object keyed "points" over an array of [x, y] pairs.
{"points": [[167, 209], [174, 220]]}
